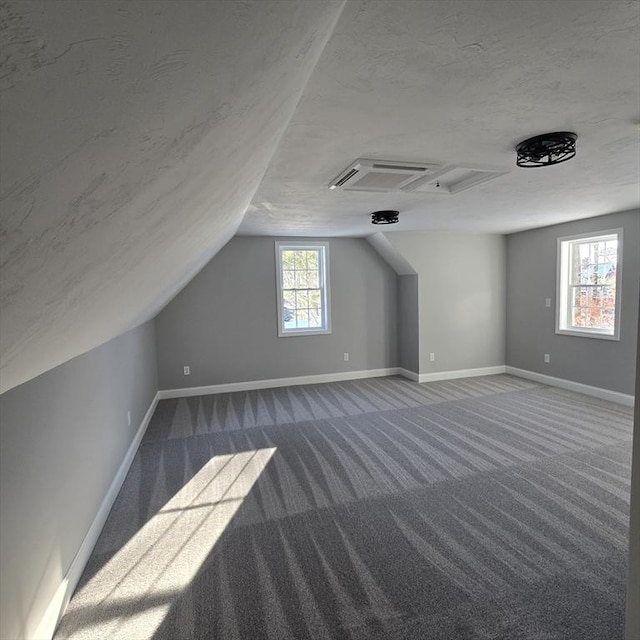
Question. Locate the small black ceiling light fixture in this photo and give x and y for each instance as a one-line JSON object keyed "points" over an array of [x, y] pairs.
{"points": [[547, 149], [384, 217]]}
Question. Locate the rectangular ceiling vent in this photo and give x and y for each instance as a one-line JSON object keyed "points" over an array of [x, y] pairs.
{"points": [[454, 178], [382, 175]]}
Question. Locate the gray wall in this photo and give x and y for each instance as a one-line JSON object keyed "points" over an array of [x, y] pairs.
{"points": [[63, 436], [408, 323], [461, 297], [224, 323], [531, 277]]}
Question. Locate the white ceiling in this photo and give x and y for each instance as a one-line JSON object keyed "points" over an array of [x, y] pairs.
{"points": [[455, 82], [135, 134]]}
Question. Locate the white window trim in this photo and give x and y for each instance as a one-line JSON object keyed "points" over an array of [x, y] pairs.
{"points": [[326, 293], [562, 306]]}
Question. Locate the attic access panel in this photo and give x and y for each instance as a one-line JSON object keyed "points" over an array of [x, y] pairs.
{"points": [[382, 175], [453, 179]]}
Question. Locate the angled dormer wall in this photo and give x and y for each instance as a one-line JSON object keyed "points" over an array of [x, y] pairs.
{"points": [[461, 300], [409, 325]]}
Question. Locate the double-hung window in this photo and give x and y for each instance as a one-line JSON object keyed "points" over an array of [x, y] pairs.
{"points": [[589, 277], [303, 288]]}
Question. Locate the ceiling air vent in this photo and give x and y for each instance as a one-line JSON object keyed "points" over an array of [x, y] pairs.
{"points": [[382, 175], [453, 179]]}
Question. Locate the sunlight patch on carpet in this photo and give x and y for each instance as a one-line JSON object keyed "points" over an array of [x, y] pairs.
{"points": [[132, 593]]}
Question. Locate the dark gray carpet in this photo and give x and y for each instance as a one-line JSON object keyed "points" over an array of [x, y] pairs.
{"points": [[482, 509]]}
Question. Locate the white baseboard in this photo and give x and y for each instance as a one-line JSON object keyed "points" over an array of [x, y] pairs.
{"points": [[407, 373], [596, 392], [272, 383], [461, 373], [60, 600]]}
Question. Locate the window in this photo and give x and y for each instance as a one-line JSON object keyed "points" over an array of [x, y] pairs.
{"points": [[589, 276], [303, 288]]}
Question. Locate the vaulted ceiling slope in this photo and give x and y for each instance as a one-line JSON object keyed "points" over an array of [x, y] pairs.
{"points": [[134, 135], [458, 82]]}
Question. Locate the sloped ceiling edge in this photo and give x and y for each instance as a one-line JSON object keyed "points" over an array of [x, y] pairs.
{"points": [[134, 136]]}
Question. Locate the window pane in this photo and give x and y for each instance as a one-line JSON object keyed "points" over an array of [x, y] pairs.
{"points": [[609, 296], [302, 300], [289, 298], [579, 317], [609, 277], [313, 279], [593, 317], [594, 262], [301, 280], [611, 252], [608, 318], [312, 260], [301, 259], [579, 295], [288, 259], [314, 298], [302, 319], [314, 317], [288, 279], [591, 296]]}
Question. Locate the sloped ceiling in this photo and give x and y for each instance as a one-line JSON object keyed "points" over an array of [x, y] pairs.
{"points": [[455, 82], [134, 135]]}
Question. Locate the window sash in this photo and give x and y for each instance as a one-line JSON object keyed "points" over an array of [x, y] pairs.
{"points": [[303, 289], [598, 275]]}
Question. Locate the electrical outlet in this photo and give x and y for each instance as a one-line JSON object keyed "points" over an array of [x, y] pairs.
{"points": [[346, 357], [187, 371], [547, 302], [129, 418], [547, 358], [432, 357]]}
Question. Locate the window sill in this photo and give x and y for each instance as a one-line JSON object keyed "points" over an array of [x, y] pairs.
{"points": [[588, 334], [303, 332]]}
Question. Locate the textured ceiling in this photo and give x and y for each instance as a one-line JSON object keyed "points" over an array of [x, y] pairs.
{"points": [[135, 134], [457, 82]]}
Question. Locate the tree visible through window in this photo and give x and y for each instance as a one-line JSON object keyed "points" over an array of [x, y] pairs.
{"points": [[589, 284], [303, 301]]}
